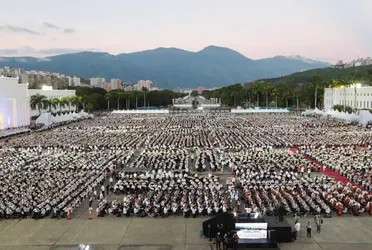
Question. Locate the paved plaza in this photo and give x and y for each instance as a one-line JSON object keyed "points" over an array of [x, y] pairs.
{"points": [[341, 233]]}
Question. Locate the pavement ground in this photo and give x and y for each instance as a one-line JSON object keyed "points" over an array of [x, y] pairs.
{"points": [[338, 233]]}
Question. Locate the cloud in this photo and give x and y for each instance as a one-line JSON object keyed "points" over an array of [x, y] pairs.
{"points": [[69, 30], [16, 29], [43, 52], [56, 51], [8, 51], [50, 26]]}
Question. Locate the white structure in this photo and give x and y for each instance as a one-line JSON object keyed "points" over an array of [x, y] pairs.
{"points": [[150, 111], [14, 103], [98, 82], [144, 84], [355, 96], [183, 106], [258, 110], [51, 94], [74, 81], [115, 84]]}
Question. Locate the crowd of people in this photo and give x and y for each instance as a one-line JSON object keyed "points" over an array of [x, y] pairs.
{"points": [[270, 178], [153, 165], [5, 133], [352, 162]]}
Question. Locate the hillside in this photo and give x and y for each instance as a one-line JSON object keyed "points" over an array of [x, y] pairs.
{"points": [[169, 67], [324, 73]]}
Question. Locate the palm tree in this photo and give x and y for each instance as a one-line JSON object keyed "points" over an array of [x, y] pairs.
{"points": [[296, 93], [275, 92], [37, 101], [256, 90], [136, 94], [54, 104], [90, 107], [129, 95], [315, 83], [265, 88], [69, 100], [63, 101], [108, 97], [76, 101], [118, 97], [286, 95], [124, 96], [144, 90], [46, 104]]}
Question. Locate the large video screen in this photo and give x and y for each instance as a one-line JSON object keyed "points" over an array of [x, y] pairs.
{"points": [[251, 231]]}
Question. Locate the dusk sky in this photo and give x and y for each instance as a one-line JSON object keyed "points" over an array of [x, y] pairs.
{"points": [[327, 30]]}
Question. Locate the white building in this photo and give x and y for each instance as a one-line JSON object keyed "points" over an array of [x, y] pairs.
{"points": [[144, 84], [355, 96], [14, 103], [15, 110], [98, 82], [52, 94], [74, 81], [115, 84]]}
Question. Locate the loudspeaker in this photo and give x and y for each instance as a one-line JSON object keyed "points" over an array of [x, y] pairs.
{"points": [[272, 235]]}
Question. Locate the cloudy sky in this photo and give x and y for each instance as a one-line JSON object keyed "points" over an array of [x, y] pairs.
{"points": [[327, 30]]}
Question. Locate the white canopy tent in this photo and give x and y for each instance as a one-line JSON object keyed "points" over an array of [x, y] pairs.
{"points": [[345, 116], [150, 111], [257, 110], [46, 118], [365, 117]]}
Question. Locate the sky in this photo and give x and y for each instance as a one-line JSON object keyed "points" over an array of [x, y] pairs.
{"points": [[327, 30]]}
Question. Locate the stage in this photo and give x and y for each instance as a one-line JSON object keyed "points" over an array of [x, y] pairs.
{"points": [[282, 230], [252, 232]]}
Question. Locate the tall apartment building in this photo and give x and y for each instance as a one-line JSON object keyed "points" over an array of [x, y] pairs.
{"points": [[115, 84], [74, 81], [98, 82], [23, 78], [144, 84]]}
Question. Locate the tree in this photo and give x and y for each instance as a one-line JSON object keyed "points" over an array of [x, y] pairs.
{"points": [[136, 95], [194, 93], [54, 103], [256, 90], [286, 96], [129, 96], [46, 104], [90, 107], [37, 101], [265, 89], [275, 92], [76, 101], [108, 97], [369, 77], [118, 96], [315, 83], [144, 91], [296, 93], [63, 101]]}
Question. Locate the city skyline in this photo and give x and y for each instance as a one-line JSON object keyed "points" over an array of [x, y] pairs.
{"points": [[321, 30]]}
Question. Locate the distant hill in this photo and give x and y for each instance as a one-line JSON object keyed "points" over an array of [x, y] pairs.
{"points": [[169, 67], [324, 73]]}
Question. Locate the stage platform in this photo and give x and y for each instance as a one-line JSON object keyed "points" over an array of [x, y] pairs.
{"points": [[280, 231], [258, 246]]}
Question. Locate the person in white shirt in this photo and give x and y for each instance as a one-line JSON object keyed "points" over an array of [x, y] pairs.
{"points": [[297, 228]]}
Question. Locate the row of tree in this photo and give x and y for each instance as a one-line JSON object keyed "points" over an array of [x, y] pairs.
{"points": [[98, 99], [281, 94], [40, 102], [119, 99]]}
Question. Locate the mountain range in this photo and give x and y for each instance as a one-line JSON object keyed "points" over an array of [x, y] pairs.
{"points": [[169, 68]]}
